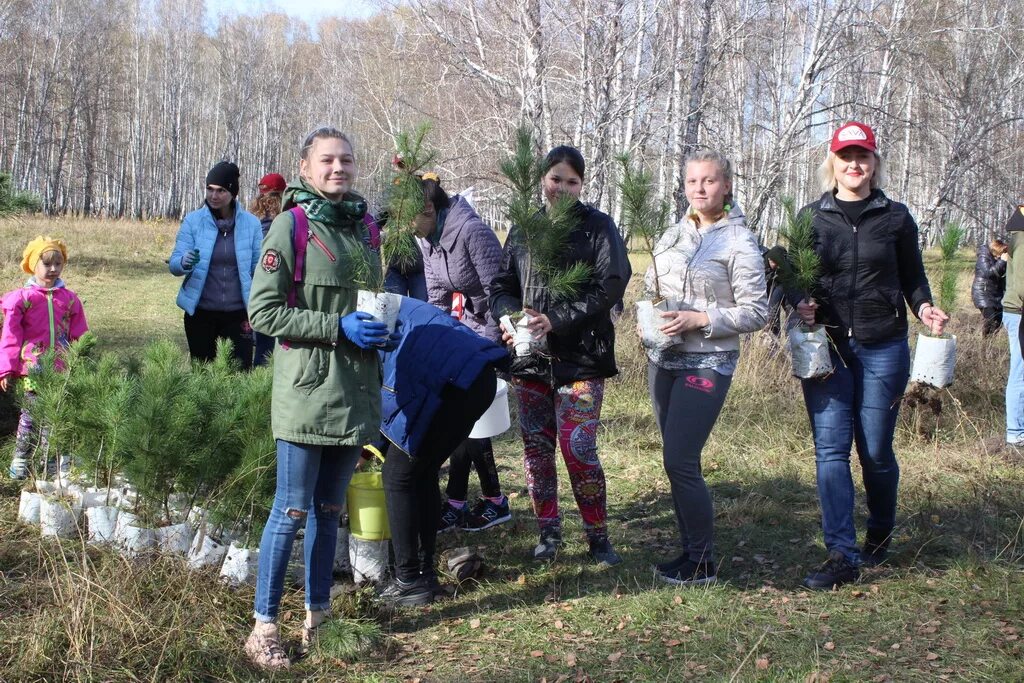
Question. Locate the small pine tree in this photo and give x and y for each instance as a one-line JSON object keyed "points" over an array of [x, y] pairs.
{"points": [[161, 429], [645, 218], [949, 244], [12, 202], [544, 233], [800, 271]]}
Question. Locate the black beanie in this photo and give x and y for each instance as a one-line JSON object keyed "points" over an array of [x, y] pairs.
{"points": [[225, 174]]}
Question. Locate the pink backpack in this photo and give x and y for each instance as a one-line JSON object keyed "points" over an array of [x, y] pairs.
{"points": [[300, 242]]}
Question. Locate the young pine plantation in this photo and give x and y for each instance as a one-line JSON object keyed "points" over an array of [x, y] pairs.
{"points": [[948, 606]]}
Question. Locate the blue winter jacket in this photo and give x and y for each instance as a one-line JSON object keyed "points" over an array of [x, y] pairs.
{"points": [[435, 350], [199, 231]]}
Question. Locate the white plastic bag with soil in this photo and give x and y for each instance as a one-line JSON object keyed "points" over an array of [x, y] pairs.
{"points": [[369, 560], [174, 539], [808, 347], [523, 341], [205, 550], [28, 507], [381, 305], [648, 317], [131, 536], [934, 361], [100, 523], [240, 565], [58, 517]]}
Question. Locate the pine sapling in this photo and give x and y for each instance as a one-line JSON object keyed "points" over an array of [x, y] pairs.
{"points": [[801, 270], [949, 244], [645, 218], [545, 233]]}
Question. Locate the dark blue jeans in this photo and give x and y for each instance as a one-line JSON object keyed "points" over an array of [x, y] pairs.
{"points": [[859, 404], [311, 486]]}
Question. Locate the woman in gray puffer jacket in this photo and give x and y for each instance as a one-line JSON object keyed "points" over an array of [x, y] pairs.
{"points": [[989, 284], [461, 256], [710, 271]]}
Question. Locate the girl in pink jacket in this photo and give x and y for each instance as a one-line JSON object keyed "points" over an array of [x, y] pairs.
{"points": [[43, 314]]}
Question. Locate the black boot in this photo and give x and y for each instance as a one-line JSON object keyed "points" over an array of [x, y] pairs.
{"points": [[876, 547]]}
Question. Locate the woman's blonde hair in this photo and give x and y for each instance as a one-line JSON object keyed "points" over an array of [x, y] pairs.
{"points": [[827, 176]]}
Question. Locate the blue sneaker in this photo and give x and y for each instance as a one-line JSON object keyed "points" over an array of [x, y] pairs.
{"points": [[451, 518], [486, 514]]}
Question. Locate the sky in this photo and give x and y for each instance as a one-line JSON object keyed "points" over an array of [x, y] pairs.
{"points": [[302, 9]]}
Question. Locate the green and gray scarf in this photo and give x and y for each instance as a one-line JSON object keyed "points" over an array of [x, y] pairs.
{"points": [[349, 209]]}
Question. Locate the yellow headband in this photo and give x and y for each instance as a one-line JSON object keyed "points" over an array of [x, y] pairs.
{"points": [[39, 246]]}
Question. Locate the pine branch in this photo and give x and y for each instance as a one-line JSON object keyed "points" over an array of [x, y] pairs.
{"points": [[949, 244], [645, 218], [801, 270], [545, 234]]}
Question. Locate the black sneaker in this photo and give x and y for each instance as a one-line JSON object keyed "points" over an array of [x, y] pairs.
{"points": [[601, 551], [876, 548], [690, 573], [401, 594], [550, 541], [486, 514], [451, 518], [669, 566], [836, 571], [439, 590]]}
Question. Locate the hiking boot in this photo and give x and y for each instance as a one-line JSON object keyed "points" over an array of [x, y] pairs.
{"points": [[486, 514], [669, 566], [263, 647], [399, 593], [690, 573], [836, 571], [18, 468], [876, 548], [601, 551], [550, 541], [451, 518]]}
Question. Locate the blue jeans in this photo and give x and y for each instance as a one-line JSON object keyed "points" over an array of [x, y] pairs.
{"points": [[1014, 382], [311, 486], [858, 403], [413, 285]]}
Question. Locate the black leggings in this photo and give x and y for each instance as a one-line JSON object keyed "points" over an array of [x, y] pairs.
{"points": [[473, 454], [686, 406], [412, 497]]}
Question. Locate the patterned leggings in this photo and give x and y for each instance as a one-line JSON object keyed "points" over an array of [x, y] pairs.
{"points": [[573, 412], [28, 438]]}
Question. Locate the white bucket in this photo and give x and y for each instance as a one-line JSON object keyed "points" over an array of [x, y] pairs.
{"points": [[206, 552], [496, 420], [369, 559], [28, 507], [174, 539], [240, 565], [101, 521], [57, 518], [648, 317], [381, 305], [809, 349], [43, 486], [934, 361], [131, 537], [342, 565]]}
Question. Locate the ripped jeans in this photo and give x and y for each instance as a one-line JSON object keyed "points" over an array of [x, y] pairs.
{"points": [[311, 486]]}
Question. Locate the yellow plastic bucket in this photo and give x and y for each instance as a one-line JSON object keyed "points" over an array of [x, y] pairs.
{"points": [[367, 514]]}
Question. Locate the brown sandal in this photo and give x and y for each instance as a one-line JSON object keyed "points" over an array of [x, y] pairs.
{"points": [[264, 648]]}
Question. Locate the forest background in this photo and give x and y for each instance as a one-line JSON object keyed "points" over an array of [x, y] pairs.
{"points": [[118, 107]]}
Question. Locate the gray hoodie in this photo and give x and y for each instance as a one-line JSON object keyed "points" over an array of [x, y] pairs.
{"points": [[465, 259]]}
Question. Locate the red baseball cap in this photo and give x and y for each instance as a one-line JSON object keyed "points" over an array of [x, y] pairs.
{"points": [[272, 182], [853, 134]]}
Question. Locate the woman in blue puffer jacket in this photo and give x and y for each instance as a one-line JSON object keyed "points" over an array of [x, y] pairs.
{"points": [[217, 248]]}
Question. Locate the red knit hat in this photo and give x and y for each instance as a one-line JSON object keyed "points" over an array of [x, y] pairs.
{"points": [[272, 182], [853, 134]]}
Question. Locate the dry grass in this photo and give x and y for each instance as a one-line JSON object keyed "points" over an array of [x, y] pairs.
{"points": [[948, 607]]}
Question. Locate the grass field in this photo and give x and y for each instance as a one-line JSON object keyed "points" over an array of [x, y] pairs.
{"points": [[948, 607]]}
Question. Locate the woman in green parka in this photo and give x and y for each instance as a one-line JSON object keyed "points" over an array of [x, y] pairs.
{"points": [[326, 396]]}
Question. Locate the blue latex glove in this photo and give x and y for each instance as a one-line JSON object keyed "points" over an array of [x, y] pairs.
{"points": [[189, 259], [363, 330]]}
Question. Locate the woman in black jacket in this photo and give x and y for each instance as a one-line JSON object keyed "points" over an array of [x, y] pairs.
{"points": [[990, 283], [871, 270], [560, 390]]}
